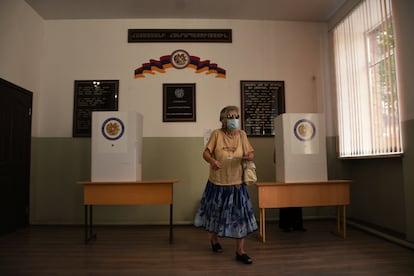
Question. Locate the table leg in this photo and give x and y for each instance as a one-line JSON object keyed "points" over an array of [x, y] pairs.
{"points": [[171, 223], [262, 224], [89, 235], [90, 221], [341, 219], [344, 220], [338, 219], [86, 225]]}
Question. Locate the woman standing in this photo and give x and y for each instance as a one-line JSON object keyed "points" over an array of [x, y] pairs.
{"points": [[225, 209]]}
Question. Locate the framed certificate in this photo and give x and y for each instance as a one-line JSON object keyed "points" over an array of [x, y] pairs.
{"points": [[92, 95], [261, 102], [179, 102]]}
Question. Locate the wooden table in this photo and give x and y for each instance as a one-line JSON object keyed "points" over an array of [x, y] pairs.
{"points": [[304, 194], [125, 193]]}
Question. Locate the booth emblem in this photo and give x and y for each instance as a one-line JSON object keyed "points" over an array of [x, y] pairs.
{"points": [[304, 130], [113, 128]]}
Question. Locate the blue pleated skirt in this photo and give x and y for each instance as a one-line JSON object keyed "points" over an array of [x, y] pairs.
{"points": [[226, 211]]}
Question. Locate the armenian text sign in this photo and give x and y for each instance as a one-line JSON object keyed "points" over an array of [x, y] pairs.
{"points": [[180, 35], [99, 95], [261, 102]]}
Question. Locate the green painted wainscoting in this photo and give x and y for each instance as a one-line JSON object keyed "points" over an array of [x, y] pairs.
{"points": [[57, 163]]}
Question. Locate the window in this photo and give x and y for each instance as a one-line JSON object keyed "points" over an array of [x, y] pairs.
{"points": [[365, 75]]}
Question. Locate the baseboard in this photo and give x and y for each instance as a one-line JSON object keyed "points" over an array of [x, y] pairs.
{"points": [[380, 234]]}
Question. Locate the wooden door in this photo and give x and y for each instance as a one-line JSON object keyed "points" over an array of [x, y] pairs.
{"points": [[15, 140]]}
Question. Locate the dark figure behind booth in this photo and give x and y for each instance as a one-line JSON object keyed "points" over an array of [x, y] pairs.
{"points": [[290, 219]]}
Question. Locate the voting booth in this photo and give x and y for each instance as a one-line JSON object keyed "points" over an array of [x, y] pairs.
{"points": [[116, 146], [300, 145]]}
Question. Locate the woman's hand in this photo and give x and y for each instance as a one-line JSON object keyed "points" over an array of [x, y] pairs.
{"points": [[249, 156], [215, 164]]}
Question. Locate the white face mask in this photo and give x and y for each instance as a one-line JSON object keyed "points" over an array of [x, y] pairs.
{"points": [[232, 124]]}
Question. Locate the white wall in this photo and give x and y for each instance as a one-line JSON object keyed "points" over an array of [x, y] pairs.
{"points": [[98, 49], [48, 56], [21, 36], [403, 24]]}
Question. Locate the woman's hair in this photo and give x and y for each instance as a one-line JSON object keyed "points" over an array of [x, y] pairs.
{"points": [[225, 110]]}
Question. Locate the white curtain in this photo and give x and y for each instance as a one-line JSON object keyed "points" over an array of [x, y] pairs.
{"points": [[367, 100]]}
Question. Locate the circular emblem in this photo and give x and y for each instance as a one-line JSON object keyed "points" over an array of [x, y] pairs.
{"points": [[180, 59], [304, 130], [113, 128], [179, 93]]}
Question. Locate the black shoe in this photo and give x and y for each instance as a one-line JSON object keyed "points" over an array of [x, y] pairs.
{"points": [[300, 229], [244, 258], [216, 247], [286, 229]]}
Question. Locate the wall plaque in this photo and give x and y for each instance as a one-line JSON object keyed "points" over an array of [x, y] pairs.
{"points": [[180, 35], [261, 102], [92, 95], [179, 102]]}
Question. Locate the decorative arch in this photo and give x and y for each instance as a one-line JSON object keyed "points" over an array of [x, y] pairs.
{"points": [[179, 59]]}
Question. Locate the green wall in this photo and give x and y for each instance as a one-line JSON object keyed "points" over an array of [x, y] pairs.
{"points": [[57, 163], [378, 192], [408, 177], [381, 191]]}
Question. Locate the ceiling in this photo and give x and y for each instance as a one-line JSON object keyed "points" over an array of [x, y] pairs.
{"points": [[291, 10]]}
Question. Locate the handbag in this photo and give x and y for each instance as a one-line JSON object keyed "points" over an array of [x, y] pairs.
{"points": [[249, 167]]}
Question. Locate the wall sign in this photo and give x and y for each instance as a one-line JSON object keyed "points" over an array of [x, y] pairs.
{"points": [[180, 35], [179, 102], [261, 102], [92, 95]]}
